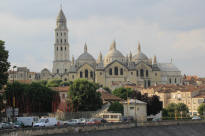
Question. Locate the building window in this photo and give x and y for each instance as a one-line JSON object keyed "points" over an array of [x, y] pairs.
{"points": [[145, 84], [91, 74], [81, 74], [86, 73], [57, 34], [65, 79], [147, 73], [65, 70], [155, 74], [131, 73], [61, 40], [100, 73], [61, 48], [137, 73], [72, 76], [132, 108], [110, 71], [149, 83], [141, 72], [170, 80], [116, 70], [57, 70], [57, 48], [65, 40], [175, 80], [121, 71]]}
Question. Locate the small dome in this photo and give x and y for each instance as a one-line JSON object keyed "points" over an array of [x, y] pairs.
{"points": [[85, 57], [140, 56], [113, 54]]}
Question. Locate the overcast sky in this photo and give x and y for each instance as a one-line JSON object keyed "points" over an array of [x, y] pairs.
{"points": [[165, 28]]}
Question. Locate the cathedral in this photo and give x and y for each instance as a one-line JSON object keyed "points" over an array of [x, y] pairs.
{"points": [[112, 69]]}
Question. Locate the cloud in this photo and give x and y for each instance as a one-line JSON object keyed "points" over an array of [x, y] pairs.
{"points": [[168, 29]]}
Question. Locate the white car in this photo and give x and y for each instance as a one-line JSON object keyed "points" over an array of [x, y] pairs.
{"points": [[72, 122], [196, 118], [27, 121], [46, 122]]}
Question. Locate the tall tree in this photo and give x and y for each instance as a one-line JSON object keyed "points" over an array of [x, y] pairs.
{"points": [[83, 96], [4, 64], [116, 107], [201, 109]]}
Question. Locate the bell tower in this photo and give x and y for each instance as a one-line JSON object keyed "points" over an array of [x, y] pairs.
{"points": [[61, 63]]}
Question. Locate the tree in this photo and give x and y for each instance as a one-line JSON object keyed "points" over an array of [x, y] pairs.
{"points": [[54, 83], [83, 96], [123, 93], [4, 64], [154, 105], [176, 110], [32, 98], [116, 107], [107, 89], [201, 109]]}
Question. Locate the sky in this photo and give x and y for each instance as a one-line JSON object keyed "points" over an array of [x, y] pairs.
{"points": [[165, 28]]}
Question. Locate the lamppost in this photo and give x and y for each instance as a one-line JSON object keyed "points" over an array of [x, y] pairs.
{"points": [[13, 97]]}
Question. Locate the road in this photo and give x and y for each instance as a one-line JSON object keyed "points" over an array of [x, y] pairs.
{"points": [[177, 130]]}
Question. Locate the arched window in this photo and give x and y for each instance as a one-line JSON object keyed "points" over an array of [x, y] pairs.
{"points": [[65, 48], [65, 70], [61, 48], [57, 48], [86, 73], [170, 80], [149, 83], [81, 74], [116, 70], [57, 70], [61, 40], [110, 71], [147, 73], [91, 74], [73, 76], [65, 79], [141, 72], [175, 80], [137, 73], [57, 34], [121, 71]]}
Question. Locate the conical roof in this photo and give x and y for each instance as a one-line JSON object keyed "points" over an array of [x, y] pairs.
{"points": [[61, 16]]}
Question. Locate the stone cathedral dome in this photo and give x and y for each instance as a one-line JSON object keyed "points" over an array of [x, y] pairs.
{"points": [[140, 56], [113, 54], [85, 57]]}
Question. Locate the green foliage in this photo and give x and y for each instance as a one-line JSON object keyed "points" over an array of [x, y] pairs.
{"points": [[83, 96], [123, 93], [42, 82], [54, 83], [4, 64], [178, 110], [107, 89], [116, 107], [66, 83], [32, 97], [201, 109], [154, 106]]}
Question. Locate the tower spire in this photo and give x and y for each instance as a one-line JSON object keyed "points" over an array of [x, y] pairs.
{"points": [[139, 47], [85, 48], [61, 4]]}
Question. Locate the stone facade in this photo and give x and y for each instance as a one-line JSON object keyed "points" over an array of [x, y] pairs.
{"points": [[111, 71], [190, 95]]}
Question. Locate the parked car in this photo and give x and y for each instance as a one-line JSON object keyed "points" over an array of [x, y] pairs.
{"points": [[196, 118], [83, 121], [18, 124], [72, 122], [90, 122], [46, 122], [27, 121], [6, 125], [156, 119]]}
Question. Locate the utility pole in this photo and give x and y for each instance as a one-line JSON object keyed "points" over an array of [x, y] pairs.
{"points": [[13, 97]]}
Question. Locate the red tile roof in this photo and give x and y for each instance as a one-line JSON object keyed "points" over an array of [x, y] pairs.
{"points": [[61, 88]]}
